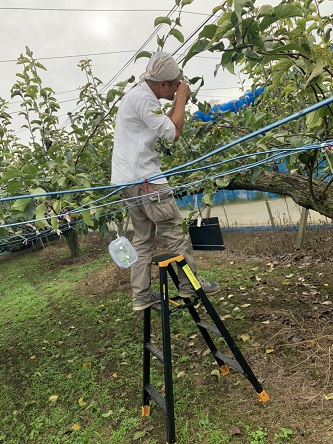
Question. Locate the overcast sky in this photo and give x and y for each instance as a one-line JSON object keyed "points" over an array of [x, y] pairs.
{"points": [[65, 37]]}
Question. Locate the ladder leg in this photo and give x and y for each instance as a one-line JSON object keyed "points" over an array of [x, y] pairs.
{"points": [[168, 382], [232, 345], [243, 365], [146, 361]]}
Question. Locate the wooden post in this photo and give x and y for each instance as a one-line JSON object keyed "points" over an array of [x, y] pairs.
{"points": [[302, 228], [270, 214]]}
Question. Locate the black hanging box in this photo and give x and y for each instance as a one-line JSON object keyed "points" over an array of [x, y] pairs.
{"points": [[206, 235]]}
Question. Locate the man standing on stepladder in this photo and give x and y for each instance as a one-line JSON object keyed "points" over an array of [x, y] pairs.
{"points": [[139, 124]]}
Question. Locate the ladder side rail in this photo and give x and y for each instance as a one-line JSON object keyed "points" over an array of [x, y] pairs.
{"points": [[168, 380], [146, 361], [248, 373], [173, 275]]}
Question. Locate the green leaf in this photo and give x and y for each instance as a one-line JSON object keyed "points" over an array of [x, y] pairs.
{"points": [[197, 48], [317, 70], [216, 9], [37, 190], [208, 31], [313, 120], [115, 198], [21, 205], [255, 173], [194, 80], [54, 223], [11, 174], [139, 435], [239, 6], [39, 65], [177, 34], [40, 211], [58, 205], [224, 182], [289, 10], [161, 20], [143, 54], [208, 199], [3, 232], [266, 11], [87, 218], [186, 2], [122, 84], [282, 11]]}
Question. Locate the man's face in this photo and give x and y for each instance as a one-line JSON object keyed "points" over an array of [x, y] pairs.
{"points": [[168, 89]]}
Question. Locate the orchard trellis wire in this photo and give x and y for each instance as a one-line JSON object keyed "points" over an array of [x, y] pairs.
{"points": [[267, 157]]}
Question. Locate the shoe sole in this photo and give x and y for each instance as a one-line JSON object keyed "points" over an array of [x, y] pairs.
{"points": [[143, 307]]}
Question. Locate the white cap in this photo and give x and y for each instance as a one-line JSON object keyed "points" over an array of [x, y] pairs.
{"points": [[161, 67]]}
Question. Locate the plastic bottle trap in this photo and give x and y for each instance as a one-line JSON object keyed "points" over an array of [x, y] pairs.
{"points": [[122, 252]]}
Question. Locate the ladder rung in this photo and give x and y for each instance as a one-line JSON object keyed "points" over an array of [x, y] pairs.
{"points": [[155, 351], [156, 396], [228, 361], [209, 327]]}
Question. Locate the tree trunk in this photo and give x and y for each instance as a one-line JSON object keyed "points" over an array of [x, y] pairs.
{"points": [[72, 239], [313, 196]]}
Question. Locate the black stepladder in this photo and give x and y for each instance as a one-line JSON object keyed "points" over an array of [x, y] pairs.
{"points": [[166, 402]]}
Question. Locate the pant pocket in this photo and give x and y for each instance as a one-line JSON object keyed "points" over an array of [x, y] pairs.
{"points": [[161, 207]]}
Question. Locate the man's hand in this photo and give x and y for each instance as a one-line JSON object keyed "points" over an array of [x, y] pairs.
{"points": [[183, 92], [177, 112]]}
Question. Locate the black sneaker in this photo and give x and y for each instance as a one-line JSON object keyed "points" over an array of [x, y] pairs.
{"points": [[140, 303], [208, 287]]}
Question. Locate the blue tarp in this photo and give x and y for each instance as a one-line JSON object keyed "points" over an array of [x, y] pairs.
{"points": [[233, 105]]}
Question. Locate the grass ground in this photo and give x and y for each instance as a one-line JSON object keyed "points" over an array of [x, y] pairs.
{"points": [[71, 348]]}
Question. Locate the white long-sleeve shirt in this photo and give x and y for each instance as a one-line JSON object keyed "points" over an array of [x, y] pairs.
{"points": [[139, 123]]}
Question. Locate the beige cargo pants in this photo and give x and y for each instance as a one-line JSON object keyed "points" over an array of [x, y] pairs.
{"points": [[152, 206]]}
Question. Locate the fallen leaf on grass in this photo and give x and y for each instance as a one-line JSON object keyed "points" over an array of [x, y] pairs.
{"points": [[227, 316], [328, 397], [216, 373], [86, 364], [245, 337], [75, 427], [235, 430], [53, 398], [180, 374], [269, 350], [139, 435], [81, 402]]}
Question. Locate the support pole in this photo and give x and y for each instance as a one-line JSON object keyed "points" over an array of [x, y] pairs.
{"points": [[302, 228]]}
